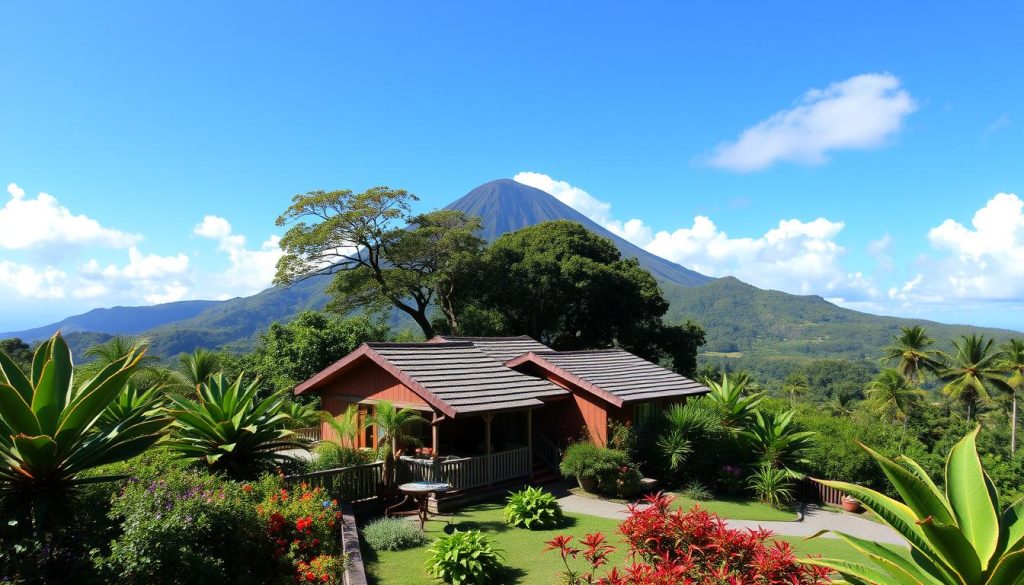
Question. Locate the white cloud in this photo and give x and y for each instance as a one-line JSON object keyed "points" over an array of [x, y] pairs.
{"points": [[149, 277], [796, 256], [44, 224], [28, 282], [980, 262], [251, 270], [861, 112]]}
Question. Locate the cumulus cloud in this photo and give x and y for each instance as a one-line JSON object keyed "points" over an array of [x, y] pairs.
{"points": [[796, 256], [861, 112], [980, 262], [43, 224], [149, 277], [251, 270], [29, 282]]}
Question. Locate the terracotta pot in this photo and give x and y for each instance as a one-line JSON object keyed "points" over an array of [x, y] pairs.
{"points": [[852, 505], [588, 484]]}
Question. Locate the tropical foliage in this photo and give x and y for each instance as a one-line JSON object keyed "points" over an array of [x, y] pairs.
{"points": [[392, 426], [392, 534], [465, 558], [533, 508], [50, 433], [960, 536], [228, 428], [777, 440]]}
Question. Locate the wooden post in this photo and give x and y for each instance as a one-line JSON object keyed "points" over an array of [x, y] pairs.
{"points": [[487, 445], [529, 439]]}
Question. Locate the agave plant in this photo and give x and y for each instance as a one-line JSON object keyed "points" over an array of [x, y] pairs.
{"points": [[229, 430], [132, 400], [777, 440], [50, 433], [771, 485], [728, 395], [959, 536]]}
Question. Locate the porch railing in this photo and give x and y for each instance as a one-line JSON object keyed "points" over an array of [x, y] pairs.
{"points": [[468, 472], [351, 484], [308, 434], [549, 453]]}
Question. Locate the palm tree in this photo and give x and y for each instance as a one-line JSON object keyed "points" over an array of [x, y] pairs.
{"points": [[894, 397], [1012, 360], [842, 402], [147, 373], [777, 440], [197, 367], [973, 372], [346, 425], [909, 351], [391, 424], [795, 385], [730, 395]]}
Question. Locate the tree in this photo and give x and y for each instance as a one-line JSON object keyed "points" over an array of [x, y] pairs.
{"points": [[378, 261], [777, 441], [50, 432], [197, 367], [290, 353], [894, 397], [569, 288], [146, 373], [795, 385], [909, 351], [19, 352], [1012, 360], [346, 425], [973, 373], [391, 424]]}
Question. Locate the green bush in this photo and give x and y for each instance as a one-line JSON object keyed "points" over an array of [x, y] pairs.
{"points": [[696, 491], [609, 467], [772, 486], [180, 525], [533, 508], [330, 455], [392, 534], [465, 557]]}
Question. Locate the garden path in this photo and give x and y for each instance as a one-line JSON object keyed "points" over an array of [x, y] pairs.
{"points": [[814, 520]]}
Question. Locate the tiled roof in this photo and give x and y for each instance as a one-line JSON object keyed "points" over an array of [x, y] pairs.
{"points": [[454, 377], [500, 348], [615, 374]]}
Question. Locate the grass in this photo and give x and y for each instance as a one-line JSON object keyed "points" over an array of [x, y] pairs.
{"points": [[522, 548]]}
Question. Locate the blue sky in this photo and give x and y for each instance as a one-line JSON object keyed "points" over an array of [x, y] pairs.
{"points": [[709, 122]]}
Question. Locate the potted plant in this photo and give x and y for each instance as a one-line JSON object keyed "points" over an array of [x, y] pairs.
{"points": [[581, 462], [851, 504]]}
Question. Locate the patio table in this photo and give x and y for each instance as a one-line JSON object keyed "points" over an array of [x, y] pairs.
{"points": [[419, 492]]}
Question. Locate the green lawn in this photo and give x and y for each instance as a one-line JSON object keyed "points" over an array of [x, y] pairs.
{"points": [[522, 548], [738, 509]]}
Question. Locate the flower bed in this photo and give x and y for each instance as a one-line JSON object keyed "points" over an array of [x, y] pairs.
{"points": [[303, 524]]}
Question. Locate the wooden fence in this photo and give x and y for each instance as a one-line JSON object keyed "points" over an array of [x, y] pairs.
{"points": [[350, 484], [308, 434], [468, 472], [812, 491]]}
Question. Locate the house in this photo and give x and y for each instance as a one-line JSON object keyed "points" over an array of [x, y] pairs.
{"points": [[497, 404]]}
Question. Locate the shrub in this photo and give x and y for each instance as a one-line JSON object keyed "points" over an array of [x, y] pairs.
{"points": [[303, 523], [771, 485], [533, 508], [611, 468], [465, 557], [330, 455], [185, 526], [695, 490], [672, 546], [392, 534]]}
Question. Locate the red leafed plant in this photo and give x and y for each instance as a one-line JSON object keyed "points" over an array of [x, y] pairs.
{"points": [[302, 523], [669, 546]]}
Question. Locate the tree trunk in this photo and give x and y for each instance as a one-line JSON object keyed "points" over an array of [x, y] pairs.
{"points": [[903, 437], [968, 412], [424, 323]]}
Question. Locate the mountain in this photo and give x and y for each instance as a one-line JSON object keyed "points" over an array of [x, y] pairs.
{"points": [[505, 206], [761, 330], [116, 320]]}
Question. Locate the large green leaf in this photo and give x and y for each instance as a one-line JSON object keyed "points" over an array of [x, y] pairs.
{"points": [[64, 369], [37, 453], [855, 570], [921, 474], [1009, 570], [970, 499], [40, 357], [46, 399], [895, 563], [87, 406], [14, 377], [1013, 524], [915, 493], [954, 548], [16, 412]]}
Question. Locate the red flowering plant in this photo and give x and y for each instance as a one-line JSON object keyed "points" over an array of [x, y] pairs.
{"points": [[303, 524], [668, 546]]}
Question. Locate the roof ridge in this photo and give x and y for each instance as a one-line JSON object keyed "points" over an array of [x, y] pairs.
{"points": [[577, 351], [426, 344]]}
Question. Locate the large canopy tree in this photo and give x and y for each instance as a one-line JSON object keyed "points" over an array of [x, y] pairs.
{"points": [[569, 288], [382, 256]]}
